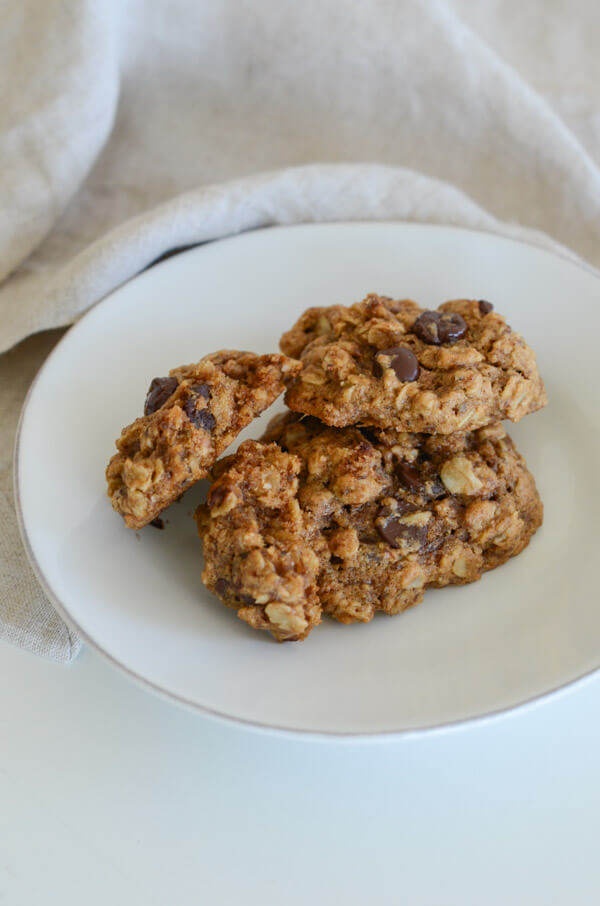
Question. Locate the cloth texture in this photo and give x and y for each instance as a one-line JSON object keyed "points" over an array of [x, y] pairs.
{"points": [[130, 128]]}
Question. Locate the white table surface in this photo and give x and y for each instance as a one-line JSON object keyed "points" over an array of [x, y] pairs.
{"points": [[109, 795]]}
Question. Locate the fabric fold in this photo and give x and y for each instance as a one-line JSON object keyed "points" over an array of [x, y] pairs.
{"points": [[312, 193]]}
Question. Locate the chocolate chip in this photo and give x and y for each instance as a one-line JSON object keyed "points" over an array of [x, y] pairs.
{"points": [[159, 392], [204, 419], [402, 360], [201, 390], [421, 482], [157, 523], [247, 599], [200, 418], [409, 477], [485, 307], [436, 488], [438, 327], [222, 587], [395, 532]]}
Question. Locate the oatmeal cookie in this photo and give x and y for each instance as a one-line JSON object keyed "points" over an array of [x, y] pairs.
{"points": [[352, 521], [390, 363], [190, 418]]}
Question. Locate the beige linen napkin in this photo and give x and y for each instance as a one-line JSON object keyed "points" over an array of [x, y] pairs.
{"points": [[128, 128]]}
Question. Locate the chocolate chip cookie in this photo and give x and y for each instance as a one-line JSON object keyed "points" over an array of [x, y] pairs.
{"points": [[352, 521], [392, 364], [190, 418]]}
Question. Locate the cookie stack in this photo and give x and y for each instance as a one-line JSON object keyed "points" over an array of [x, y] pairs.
{"points": [[390, 474]]}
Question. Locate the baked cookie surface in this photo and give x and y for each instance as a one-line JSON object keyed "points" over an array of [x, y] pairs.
{"points": [[190, 418], [352, 521], [391, 363]]}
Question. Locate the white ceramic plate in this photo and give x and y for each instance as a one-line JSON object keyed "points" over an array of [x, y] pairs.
{"points": [[526, 629]]}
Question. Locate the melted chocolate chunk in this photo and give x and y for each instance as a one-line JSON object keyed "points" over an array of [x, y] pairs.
{"points": [[201, 390], [222, 587], [409, 477], [402, 360], [394, 532], [485, 307], [200, 418], [159, 392], [439, 327]]}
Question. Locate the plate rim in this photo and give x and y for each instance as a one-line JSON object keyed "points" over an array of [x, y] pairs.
{"points": [[213, 713]]}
